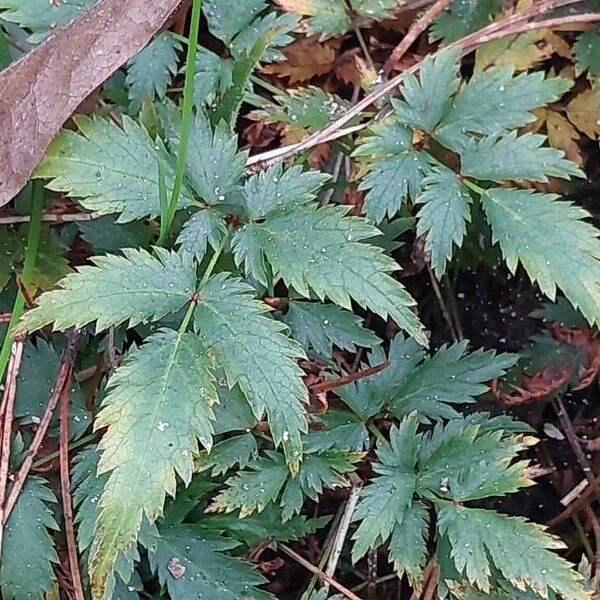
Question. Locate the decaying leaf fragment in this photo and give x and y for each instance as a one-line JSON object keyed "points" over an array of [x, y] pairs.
{"points": [[43, 89]]}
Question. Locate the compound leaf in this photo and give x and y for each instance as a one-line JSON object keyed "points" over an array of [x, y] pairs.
{"points": [[553, 242], [463, 17], [427, 100], [204, 227], [151, 435], [238, 450], [226, 18], [254, 353], [110, 170], [136, 287]]}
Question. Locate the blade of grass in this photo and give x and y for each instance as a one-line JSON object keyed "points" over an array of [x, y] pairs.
{"points": [[186, 119], [35, 226], [165, 222]]}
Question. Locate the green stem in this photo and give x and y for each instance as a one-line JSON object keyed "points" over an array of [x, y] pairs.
{"points": [[188, 317], [364, 47], [186, 119], [473, 186], [35, 227], [375, 431], [213, 261], [266, 85]]}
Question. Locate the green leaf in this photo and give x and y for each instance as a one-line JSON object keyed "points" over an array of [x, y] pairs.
{"points": [[204, 227], [283, 25], [39, 368], [275, 188], [339, 430], [384, 502], [376, 9], [587, 52], [320, 249], [318, 471], [212, 76], [520, 551], [28, 555], [238, 450], [327, 17], [493, 102], [254, 488], [321, 326], [396, 169], [111, 170], [463, 17], [136, 287], [106, 235], [516, 158], [228, 17], [150, 72], [254, 353], [193, 563], [213, 164], [265, 525], [307, 108], [428, 99], [408, 544], [151, 435], [462, 461], [41, 16], [443, 216], [550, 238]]}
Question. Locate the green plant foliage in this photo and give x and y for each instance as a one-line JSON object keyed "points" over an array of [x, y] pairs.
{"points": [[254, 353], [551, 240], [205, 227], [135, 287], [192, 564], [463, 17], [40, 16], [226, 18], [587, 52], [150, 72], [143, 396], [321, 326], [111, 170], [28, 555]]}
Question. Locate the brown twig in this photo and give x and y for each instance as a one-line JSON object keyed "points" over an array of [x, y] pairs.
{"points": [[571, 436], [6, 416], [514, 24], [584, 499], [65, 490], [310, 567], [50, 218], [331, 384], [63, 380], [416, 29]]}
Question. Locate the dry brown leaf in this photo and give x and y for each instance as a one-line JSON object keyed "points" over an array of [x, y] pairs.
{"points": [[583, 113], [43, 89], [306, 58], [562, 135], [534, 387], [581, 338]]}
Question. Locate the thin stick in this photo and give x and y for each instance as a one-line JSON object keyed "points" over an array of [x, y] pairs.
{"points": [[336, 383], [50, 218], [342, 532], [310, 567], [585, 498], [63, 379], [65, 490], [6, 411], [416, 29]]}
